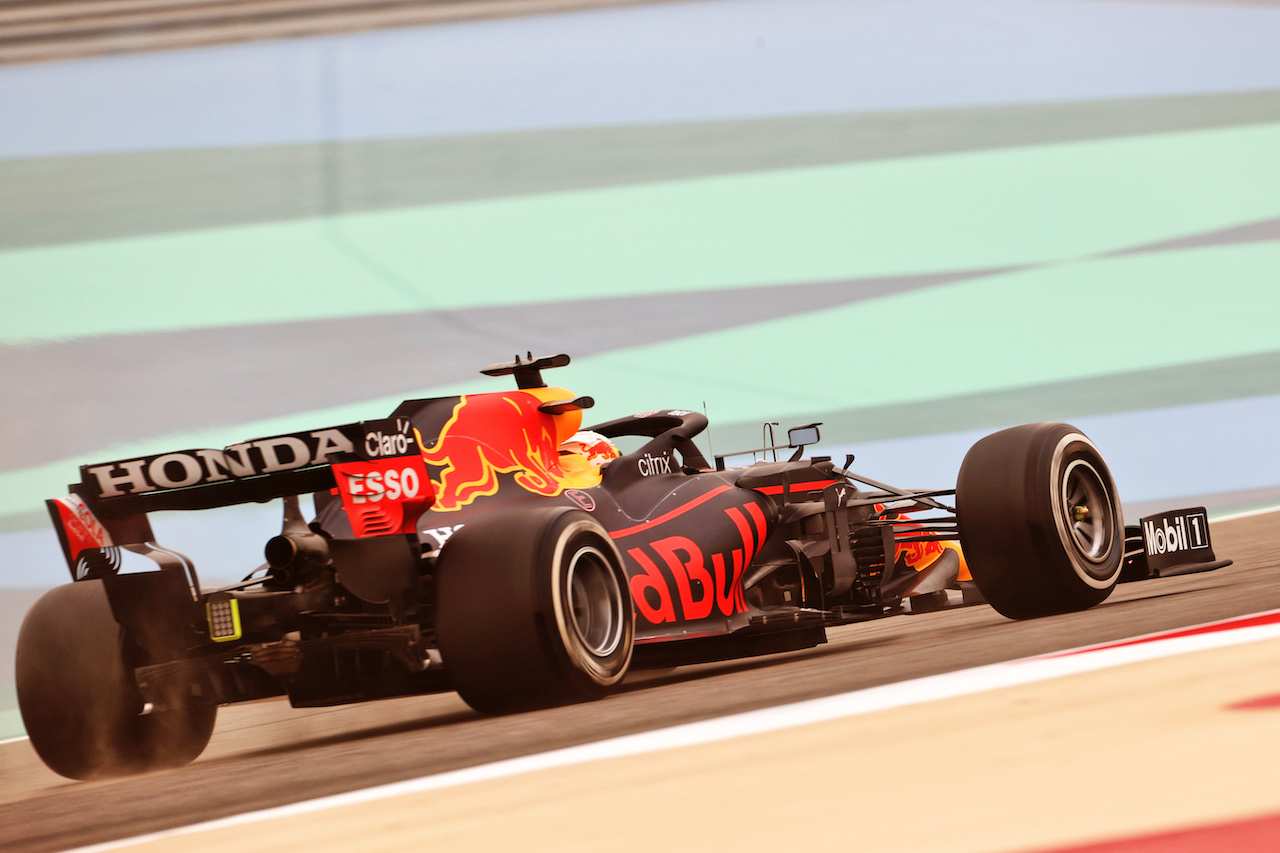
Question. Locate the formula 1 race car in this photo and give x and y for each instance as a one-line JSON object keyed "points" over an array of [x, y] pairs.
{"points": [[485, 544]]}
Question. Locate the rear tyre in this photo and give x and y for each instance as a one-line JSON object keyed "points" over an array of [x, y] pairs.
{"points": [[79, 701], [534, 610], [1039, 521]]}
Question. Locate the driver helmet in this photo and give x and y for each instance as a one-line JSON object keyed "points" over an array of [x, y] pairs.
{"points": [[595, 447]]}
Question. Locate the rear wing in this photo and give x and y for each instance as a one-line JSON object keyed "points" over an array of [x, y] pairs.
{"points": [[375, 467], [247, 472]]}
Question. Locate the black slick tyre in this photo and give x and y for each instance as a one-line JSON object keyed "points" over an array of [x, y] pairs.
{"points": [[533, 611], [79, 702], [1039, 520]]}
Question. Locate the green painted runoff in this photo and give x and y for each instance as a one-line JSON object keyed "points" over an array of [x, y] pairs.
{"points": [[1052, 323], [1030, 205]]}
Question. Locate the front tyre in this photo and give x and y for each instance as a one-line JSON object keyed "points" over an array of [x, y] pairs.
{"points": [[1039, 521], [533, 611], [79, 701]]}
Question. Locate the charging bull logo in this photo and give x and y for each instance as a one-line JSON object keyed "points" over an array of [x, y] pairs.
{"points": [[920, 555], [500, 433]]}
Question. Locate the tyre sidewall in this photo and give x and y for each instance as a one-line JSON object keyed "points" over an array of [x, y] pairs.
{"points": [[1070, 450], [569, 535]]}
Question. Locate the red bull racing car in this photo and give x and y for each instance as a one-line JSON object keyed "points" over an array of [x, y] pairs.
{"points": [[485, 544]]}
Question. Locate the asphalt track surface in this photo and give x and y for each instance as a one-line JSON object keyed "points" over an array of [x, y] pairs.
{"points": [[267, 754]]}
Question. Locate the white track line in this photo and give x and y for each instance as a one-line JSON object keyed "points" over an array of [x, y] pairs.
{"points": [[1246, 514], [932, 688]]}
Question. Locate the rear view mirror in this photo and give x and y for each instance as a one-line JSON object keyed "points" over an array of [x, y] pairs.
{"points": [[802, 435]]}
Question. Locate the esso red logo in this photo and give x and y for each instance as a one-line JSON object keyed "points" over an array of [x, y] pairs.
{"points": [[392, 484], [384, 495]]}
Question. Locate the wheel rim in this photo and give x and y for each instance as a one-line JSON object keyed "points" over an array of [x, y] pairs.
{"points": [[1088, 516], [595, 604]]}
